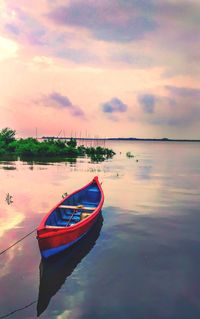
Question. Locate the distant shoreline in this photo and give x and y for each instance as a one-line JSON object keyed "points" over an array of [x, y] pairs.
{"points": [[123, 139], [155, 139]]}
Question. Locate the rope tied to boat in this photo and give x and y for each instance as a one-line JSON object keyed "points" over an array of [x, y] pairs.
{"points": [[17, 310], [18, 241]]}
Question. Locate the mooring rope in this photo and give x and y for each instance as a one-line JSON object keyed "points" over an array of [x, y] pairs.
{"points": [[19, 309], [18, 241]]}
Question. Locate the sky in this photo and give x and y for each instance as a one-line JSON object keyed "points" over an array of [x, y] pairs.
{"points": [[117, 68]]}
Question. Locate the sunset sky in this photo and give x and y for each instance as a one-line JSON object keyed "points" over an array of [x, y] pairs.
{"points": [[102, 68]]}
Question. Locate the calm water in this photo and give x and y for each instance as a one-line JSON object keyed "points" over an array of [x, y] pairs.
{"points": [[142, 260]]}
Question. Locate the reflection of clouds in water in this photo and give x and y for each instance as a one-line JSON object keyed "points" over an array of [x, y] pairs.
{"points": [[14, 261], [130, 192], [148, 266], [19, 270], [65, 315], [5, 269], [146, 256], [144, 172], [9, 219]]}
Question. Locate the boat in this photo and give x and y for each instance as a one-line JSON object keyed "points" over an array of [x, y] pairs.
{"points": [[55, 271], [71, 219]]}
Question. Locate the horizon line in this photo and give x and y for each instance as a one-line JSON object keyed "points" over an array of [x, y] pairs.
{"points": [[164, 139]]}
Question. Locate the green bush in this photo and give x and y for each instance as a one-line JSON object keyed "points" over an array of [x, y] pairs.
{"points": [[31, 147], [7, 135], [72, 143]]}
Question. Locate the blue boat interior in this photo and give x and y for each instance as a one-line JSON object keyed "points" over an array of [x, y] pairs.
{"points": [[78, 206]]}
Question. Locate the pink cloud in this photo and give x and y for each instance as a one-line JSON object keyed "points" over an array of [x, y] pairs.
{"points": [[103, 50]]}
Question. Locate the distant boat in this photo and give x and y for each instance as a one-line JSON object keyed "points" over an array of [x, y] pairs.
{"points": [[55, 271], [70, 219]]}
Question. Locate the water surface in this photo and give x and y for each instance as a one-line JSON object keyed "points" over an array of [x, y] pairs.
{"points": [[141, 261]]}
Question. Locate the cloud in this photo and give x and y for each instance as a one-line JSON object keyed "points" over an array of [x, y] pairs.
{"points": [[176, 41], [139, 60], [76, 55], [59, 101], [106, 21], [8, 49], [63, 29], [36, 36], [77, 111], [180, 108], [12, 28], [23, 26], [114, 106], [187, 104], [147, 102], [184, 92]]}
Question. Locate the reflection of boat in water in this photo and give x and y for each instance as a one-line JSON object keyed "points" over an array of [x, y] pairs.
{"points": [[54, 272]]}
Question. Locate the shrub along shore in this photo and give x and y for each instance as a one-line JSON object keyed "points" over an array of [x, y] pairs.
{"points": [[31, 147]]}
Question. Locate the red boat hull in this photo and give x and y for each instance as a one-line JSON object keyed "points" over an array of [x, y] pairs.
{"points": [[53, 240]]}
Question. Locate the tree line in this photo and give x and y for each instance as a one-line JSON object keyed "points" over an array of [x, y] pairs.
{"points": [[31, 147]]}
